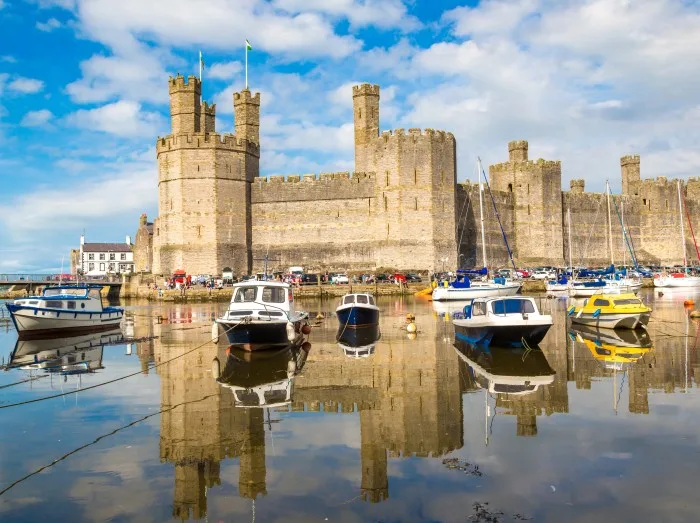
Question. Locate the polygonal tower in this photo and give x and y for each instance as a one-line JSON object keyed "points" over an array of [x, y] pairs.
{"points": [[631, 174], [365, 102], [204, 178]]}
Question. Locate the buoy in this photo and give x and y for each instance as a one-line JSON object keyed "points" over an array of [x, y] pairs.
{"points": [[306, 347], [660, 294], [319, 316], [689, 303], [306, 328], [215, 332], [291, 334], [411, 335], [216, 368], [695, 314], [411, 327]]}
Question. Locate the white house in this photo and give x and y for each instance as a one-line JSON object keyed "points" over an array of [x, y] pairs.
{"points": [[99, 259]]}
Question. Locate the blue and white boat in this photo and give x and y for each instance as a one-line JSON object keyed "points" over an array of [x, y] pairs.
{"points": [[357, 310], [63, 309], [504, 322], [463, 288]]}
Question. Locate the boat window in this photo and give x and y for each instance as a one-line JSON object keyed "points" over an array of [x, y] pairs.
{"points": [[70, 305], [270, 313], [371, 300], [479, 309], [54, 304], [362, 298], [32, 302], [63, 291], [245, 294], [273, 294], [601, 303], [630, 301], [349, 299], [512, 306]]}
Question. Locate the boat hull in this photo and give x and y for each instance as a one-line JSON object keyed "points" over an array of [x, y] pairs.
{"points": [[354, 316], [476, 291], [613, 321], [32, 322], [677, 283], [501, 336], [260, 335]]}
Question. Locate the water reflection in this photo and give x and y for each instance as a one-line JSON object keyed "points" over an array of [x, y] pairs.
{"points": [[358, 342]]}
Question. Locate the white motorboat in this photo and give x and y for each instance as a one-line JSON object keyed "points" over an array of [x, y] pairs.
{"points": [[676, 281], [261, 315], [504, 322], [64, 309], [464, 289]]}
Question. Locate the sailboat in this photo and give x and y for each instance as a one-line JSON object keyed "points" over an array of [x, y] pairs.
{"points": [[466, 289], [680, 279], [562, 284]]}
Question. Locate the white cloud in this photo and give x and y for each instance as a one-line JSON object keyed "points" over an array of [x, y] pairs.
{"points": [[55, 209], [24, 85], [49, 25], [383, 14], [8, 59], [36, 118], [306, 136], [2, 4], [122, 118], [223, 70], [490, 16]]}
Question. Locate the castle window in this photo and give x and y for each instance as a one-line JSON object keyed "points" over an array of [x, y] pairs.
{"points": [[667, 204], [528, 209], [387, 178], [158, 231], [510, 187], [199, 231], [442, 176], [374, 112], [387, 230], [359, 113], [644, 201], [415, 175], [528, 190], [415, 203], [385, 202]]}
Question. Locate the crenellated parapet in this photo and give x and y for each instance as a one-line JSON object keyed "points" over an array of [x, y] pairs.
{"points": [[415, 134], [577, 186], [226, 142], [365, 90], [306, 187], [180, 83], [539, 165]]}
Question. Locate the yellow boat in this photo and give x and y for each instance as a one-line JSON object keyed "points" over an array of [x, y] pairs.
{"points": [[616, 349], [612, 311]]}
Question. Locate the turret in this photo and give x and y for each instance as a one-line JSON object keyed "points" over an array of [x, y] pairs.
{"points": [[577, 186], [208, 118], [185, 95], [365, 102], [246, 109], [630, 167], [517, 151]]}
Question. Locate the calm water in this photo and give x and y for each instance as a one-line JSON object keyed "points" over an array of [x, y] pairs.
{"points": [[588, 429]]}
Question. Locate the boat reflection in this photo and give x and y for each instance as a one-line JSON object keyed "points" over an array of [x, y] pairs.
{"points": [[261, 378], [617, 349], [359, 342], [65, 355], [450, 308]]}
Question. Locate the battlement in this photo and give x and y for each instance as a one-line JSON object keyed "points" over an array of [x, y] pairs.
{"points": [[229, 142], [577, 186], [364, 90], [534, 165], [629, 160], [180, 83], [208, 109], [245, 96], [415, 132], [322, 177]]}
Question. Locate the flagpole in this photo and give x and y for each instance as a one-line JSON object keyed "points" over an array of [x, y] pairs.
{"points": [[201, 96], [246, 64]]}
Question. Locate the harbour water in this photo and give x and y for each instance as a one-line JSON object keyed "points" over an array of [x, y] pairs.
{"points": [[592, 428]]}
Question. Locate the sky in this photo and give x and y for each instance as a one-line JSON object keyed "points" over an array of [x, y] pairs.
{"points": [[83, 93]]}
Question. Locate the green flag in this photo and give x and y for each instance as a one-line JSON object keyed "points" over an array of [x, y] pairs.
{"points": [[248, 47]]}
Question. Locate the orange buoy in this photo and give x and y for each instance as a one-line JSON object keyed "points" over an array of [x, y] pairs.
{"points": [[306, 328], [689, 303]]}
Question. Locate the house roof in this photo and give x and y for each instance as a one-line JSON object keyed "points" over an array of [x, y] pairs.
{"points": [[106, 247]]}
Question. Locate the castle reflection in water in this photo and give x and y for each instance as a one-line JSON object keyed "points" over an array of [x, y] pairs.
{"points": [[408, 393]]}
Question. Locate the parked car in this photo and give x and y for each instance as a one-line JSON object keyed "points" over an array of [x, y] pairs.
{"points": [[544, 274], [413, 277], [340, 278], [308, 279], [523, 273], [398, 278], [382, 278]]}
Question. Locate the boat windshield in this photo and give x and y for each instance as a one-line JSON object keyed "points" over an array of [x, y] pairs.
{"points": [[601, 303], [371, 300], [361, 298], [629, 301], [512, 306], [273, 294], [63, 291], [349, 299], [479, 309], [245, 294]]}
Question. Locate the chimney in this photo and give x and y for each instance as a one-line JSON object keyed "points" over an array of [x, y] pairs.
{"points": [[128, 239], [82, 239]]}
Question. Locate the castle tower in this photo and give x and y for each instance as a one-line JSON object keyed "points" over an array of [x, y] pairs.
{"points": [[365, 102], [204, 178], [630, 166], [375, 480], [185, 107], [536, 189], [252, 475], [246, 109]]}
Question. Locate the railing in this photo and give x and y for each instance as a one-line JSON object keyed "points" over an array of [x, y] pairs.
{"points": [[29, 277], [54, 278]]}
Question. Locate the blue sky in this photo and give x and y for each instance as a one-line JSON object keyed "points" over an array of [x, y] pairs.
{"points": [[83, 93]]}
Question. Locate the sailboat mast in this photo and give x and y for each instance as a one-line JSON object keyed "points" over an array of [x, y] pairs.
{"points": [[607, 194], [568, 220], [680, 214], [481, 212], [622, 223]]}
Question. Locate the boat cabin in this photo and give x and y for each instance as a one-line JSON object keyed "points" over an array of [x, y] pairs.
{"points": [[359, 299], [85, 298], [520, 305], [261, 299]]}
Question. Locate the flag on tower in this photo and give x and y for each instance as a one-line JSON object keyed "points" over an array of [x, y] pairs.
{"points": [[248, 47], [201, 65]]}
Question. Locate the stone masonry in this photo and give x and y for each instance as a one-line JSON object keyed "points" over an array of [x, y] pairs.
{"points": [[402, 209]]}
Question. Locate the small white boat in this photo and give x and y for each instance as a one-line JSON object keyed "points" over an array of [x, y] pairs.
{"points": [[560, 285], [468, 290], [676, 281], [64, 309], [261, 315], [503, 322]]}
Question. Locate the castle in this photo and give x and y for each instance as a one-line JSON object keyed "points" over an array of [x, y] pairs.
{"points": [[402, 209]]}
